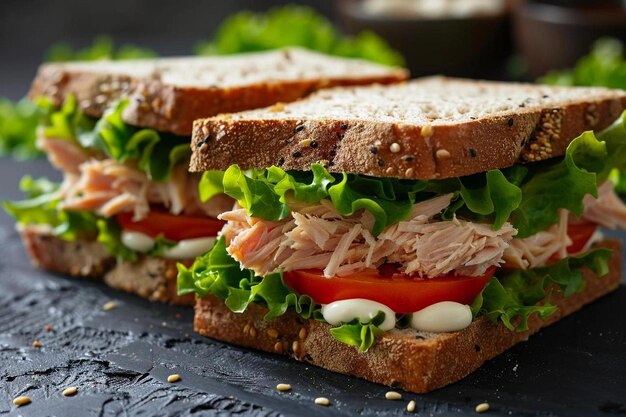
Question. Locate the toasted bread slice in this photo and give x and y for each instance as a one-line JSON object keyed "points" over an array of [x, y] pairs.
{"points": [[424, 129], [168, 94], [151, 278], [415, 361]]}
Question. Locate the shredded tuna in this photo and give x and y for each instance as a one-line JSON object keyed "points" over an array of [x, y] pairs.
{"points": [[534, 251], [63, 154], [109, 187], [607, 210], [317, 237]]}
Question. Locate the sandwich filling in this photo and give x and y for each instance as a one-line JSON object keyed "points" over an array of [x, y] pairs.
{"points": [[129, 188], [368, 255]]}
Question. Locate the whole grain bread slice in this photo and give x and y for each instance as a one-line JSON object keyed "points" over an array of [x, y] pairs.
{"points": [[168, 94], [148, 277], [415, 361], [427, 128]]}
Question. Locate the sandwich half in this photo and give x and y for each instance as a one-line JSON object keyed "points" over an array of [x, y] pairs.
{"points": [[405, 234], [120, 132]]}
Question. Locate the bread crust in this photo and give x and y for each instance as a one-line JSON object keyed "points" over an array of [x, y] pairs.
{"points": [[150, 278], [157, 104], [415, 361], [419, 151]]}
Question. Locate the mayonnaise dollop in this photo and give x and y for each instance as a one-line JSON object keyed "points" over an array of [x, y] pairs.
{"points": [[184, 249], [344, 311], [445, 316]]}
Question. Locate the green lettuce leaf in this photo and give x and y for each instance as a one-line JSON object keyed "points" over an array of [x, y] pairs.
{"points": [[294, 26], [512, 297], [42, 208], [360, 335], [18, 127], [102, 47], [218, 273], [604, 66], [110, 236], [156, 153]]}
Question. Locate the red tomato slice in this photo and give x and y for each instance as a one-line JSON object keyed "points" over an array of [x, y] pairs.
{"points": [[171, 226], [401, 293], [580, 232]]}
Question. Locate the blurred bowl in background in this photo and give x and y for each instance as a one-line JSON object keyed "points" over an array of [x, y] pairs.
{"points": [[554, 34], [457, 40]]}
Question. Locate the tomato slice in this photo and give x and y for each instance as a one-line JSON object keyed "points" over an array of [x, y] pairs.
{"points": [[173, 227], [580, 231], [398, 291]]}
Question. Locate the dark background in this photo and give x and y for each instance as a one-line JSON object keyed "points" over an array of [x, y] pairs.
{"points": [[29, 27]]}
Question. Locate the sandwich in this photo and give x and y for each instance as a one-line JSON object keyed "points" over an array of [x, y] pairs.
{"points": [[406, 234], [120, 132]]}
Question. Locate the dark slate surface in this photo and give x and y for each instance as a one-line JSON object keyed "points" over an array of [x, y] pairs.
{"points": [[120, 359]]}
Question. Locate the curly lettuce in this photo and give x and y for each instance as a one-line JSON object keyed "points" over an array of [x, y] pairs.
{"points": [[294, 26], [156, 153], [102, 48], [512, 298]]}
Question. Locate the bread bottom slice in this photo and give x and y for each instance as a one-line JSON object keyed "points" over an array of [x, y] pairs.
{"points": [[415, 361], [151, 278]]}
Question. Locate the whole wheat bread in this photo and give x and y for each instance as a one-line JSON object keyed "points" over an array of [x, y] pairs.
{"points": [[151, 278], [168, 94], [427, 128], [412, 360]]}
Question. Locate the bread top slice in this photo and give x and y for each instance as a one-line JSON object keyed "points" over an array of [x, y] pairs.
{"points": [[168, 94], [428, 128]]}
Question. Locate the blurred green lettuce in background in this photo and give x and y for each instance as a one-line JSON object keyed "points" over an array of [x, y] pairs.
{"points": [[295, 26], [604, 66], [242, 32]]}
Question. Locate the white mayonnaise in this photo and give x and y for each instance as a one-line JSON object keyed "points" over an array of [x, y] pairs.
{"points": [[185, 249], [358, 308], [137, 241], [446, 316], [189, 248]]}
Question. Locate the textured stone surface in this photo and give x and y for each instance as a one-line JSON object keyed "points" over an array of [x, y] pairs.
{"points": [[120, 359]]}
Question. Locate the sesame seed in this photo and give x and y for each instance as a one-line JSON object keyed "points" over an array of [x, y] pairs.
{"points": [[380, 162], [344, 126], [173, 378], [281, 161], [313, 144], [409, 172], [278, 347], [109, 306], [295, 346], [393, 395], [442, 154], [252, 331], [341, 136], [331, 163], [394, 148], [37, 344], [481, 408], [296, 154], [246, 329], [322, 401], [299, 128], [68, 392], [272, 333], [510, 122], [408, 158], [389, 171], [20, 401], [277, 107], [374, 150], [472, 152], [304, 143], [410, 407], [427, 131], [378, 143], [302, 333], [283, 387]]}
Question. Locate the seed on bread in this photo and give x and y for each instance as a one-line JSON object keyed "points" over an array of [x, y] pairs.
{"points": [[273, 333], [442, 154]]}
